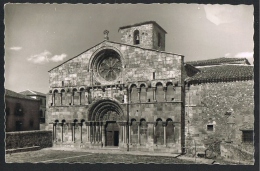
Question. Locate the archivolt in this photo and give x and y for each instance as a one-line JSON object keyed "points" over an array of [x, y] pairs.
{"points": [[101, 107]]}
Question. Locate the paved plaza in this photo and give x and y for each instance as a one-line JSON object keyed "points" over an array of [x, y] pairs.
{"points": [[68, 155]]}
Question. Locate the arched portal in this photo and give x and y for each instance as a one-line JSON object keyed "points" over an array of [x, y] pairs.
{"points": [[104, 116]]}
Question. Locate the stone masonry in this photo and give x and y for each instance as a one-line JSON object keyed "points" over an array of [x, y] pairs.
{"points": [[134, 96], [137, 105]]}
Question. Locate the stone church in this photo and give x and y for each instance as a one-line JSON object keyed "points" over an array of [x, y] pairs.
{"points": [[133, 95]]}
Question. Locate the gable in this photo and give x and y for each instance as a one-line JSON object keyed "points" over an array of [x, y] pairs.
{"points": [[137, 62]]}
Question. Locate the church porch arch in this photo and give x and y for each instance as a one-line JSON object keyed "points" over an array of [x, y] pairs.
{"points": [[105, 123]]}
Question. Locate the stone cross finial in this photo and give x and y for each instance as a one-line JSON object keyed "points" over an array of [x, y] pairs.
{"points": [[106, 34]]}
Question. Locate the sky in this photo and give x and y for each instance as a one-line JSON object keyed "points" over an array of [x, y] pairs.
{"points": [[39, 37]]}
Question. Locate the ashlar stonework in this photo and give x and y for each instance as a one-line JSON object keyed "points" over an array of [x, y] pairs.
{"points": [[135, 96]]}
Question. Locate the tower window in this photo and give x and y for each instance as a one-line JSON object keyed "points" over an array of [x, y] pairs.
{"points": [[153, 75], [159, 39], [209, 127], [136, 37], [62, 83]]}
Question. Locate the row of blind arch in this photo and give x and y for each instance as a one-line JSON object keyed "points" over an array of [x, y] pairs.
{"points": [[136, 85], [143, 94]]}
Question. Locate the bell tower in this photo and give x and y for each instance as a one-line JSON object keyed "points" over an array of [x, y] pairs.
{"points": [[147, 34]]}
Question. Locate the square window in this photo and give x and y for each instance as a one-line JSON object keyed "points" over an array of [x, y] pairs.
{"points": [[209, 127], [247, 136]]}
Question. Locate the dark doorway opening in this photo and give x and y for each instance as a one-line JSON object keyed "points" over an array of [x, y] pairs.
{"points": [[18, 126], [112, 134], [116, 138]]}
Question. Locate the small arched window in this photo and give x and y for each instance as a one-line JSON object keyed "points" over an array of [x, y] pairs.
{"points": [[136, 37]]}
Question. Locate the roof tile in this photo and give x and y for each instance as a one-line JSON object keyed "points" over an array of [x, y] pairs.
{"points": [[218, 61], [223, 73]]}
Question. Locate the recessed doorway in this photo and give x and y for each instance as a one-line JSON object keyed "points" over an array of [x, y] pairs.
{"points": [[112, 134]]}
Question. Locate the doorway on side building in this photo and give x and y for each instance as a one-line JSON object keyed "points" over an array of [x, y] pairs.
{"points": [[112, 133], [18, 126]]}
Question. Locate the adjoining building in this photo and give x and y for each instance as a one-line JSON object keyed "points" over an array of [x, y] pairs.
{"points": [[219, 103], [22, 112], [136, 96], [42, 98]]}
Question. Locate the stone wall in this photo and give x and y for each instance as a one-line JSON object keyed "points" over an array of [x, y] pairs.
{"points": [[163, 108], [156, 45], [150, 87], [148, 34], [218, 111], [138, 64], [145, 34], [23, 139], [244, 152]]}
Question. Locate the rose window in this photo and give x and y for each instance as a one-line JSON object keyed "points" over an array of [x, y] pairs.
{"points": [[110, 67]]}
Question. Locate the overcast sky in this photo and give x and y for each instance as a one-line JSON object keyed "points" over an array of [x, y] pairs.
{"points": [[39, 37]]}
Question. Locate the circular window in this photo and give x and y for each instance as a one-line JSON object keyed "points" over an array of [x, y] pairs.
{"points": [[108, 65], [110, 68]]}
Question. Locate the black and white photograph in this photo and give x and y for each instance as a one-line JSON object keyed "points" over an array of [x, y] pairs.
{"points": [[129, 83]]}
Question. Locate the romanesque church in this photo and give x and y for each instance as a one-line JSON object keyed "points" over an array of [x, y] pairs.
{"points": [[132, 95]]}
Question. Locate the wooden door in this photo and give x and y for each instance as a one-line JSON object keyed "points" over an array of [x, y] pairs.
{"points": [[112, 134]]}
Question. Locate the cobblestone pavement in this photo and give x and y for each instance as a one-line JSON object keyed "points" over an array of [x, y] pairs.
{"points": [[91, 156], [73, 155]]}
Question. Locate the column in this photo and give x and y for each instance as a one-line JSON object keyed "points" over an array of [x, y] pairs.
{"points": [[138, 134], [154, 132], [165, 91], [103, 135], [72, 97], [164, 134], [97, 132], [100, 132], [81, 124], [129, 133], [123, 134], [129, 93], [94, 132], [53, 132], [91, 132], [154, 96], [73, 132], [61, 132]]}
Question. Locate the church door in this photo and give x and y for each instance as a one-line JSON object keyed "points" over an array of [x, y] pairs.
{"points": [[112, 134]]}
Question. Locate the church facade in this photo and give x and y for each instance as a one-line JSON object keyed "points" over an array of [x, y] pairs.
{"points": [[130, 95]]}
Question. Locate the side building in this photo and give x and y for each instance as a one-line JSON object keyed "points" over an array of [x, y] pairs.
{"points": [[22, 112], [42, 98], [219, 104]]}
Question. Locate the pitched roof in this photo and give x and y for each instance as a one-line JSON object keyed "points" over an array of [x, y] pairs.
{"points": [[17, 95], [223, 73], [32, 93], [219, 61], [142, 23]]}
